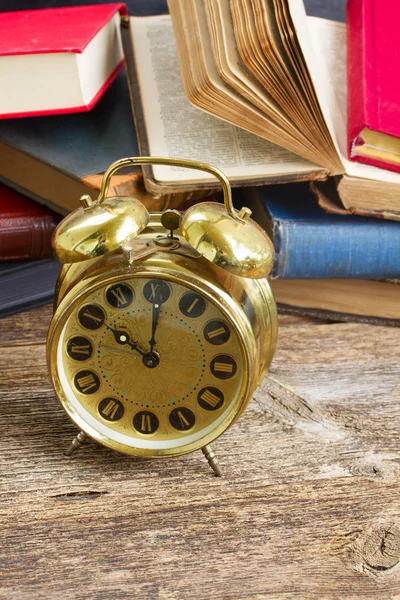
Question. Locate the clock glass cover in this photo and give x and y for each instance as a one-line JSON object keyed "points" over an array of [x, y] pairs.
{"points": [[150, 364]]}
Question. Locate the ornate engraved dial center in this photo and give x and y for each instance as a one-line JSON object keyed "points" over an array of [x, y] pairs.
{"points": [[177, 363]]}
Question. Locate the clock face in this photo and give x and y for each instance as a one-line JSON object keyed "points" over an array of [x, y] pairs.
{"points": [[150, 364]]}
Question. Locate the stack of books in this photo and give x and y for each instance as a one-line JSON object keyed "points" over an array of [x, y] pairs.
{"points": [[260, 89], [254, 87], [58, 139]]}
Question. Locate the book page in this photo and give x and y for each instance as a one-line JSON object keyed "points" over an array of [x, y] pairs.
{"points": [[232, 56], [177, 129], [329, 39], [231, 64], [311, 49], [221, 99]]}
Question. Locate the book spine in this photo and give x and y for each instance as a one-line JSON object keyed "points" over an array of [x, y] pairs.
{"points": [[26, 238], [357, 75], [310, 250], [30, 285]]}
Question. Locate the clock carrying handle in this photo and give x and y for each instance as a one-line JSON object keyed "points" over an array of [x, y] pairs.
{"points": [[240, 216]]}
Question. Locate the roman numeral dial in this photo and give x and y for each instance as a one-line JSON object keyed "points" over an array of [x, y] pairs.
{"points": [[111, 409], [192, 305], [182, 418], [210, 398], [91, 316], [157, 291], [223, 366], [217, 332], [120, 295], [79, 348], [146, 422], [153, 363], [87, 382]]}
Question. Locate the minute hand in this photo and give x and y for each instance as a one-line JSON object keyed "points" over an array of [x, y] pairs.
{"points": [[155, 314]]}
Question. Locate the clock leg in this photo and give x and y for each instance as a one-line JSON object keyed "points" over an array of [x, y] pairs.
{"points": [[212, 460], [76, 443]]}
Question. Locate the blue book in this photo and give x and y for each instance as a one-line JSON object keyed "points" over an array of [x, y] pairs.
{"points": [[312, 244]]}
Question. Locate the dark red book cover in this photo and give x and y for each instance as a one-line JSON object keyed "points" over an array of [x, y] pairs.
{"points": [[373, 68], [25, 227]]}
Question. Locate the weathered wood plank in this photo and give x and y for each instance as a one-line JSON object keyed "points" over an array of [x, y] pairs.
{"points": [[26, 328], [308, 508]]}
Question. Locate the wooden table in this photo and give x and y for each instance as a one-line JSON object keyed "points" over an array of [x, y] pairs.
{"points": [[308, 508]]}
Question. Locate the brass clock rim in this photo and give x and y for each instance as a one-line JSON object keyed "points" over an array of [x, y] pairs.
{"points": [[205, 287]]}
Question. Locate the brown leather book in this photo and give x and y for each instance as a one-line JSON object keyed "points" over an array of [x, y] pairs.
{"points": [[25, 227]]}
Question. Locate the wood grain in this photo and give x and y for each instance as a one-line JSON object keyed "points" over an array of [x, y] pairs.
{"points": [[308, 508]]}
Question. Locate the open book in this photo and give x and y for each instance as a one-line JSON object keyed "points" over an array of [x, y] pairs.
{"points": [[276, 81]]}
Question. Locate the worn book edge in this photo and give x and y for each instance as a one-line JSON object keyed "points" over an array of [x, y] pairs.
{"points": [[340, 299]]}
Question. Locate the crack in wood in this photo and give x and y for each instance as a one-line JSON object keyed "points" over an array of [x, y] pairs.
{"points": [[92, 494], [286, 406], [284, 399]]}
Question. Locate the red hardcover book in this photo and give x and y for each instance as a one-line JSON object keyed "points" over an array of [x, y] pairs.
{"points": [[58, 60], [374, 82], [25, 227]]}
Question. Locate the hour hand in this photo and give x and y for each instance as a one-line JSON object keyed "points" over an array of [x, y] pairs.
{"points": [[122, 337]]}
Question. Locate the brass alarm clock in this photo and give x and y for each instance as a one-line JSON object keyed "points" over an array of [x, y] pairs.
{"points": [[164, 323]]}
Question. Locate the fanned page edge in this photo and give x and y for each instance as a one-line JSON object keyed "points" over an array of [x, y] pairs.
{"points": [[312, 53], [156, 177]]}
